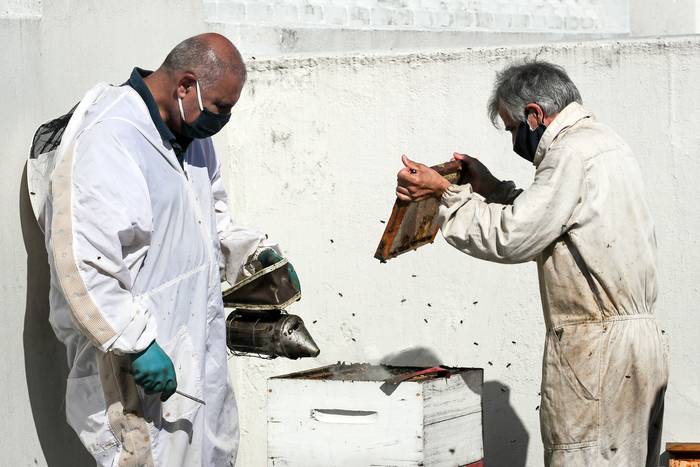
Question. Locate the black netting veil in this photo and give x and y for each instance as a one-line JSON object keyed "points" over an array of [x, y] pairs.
{"points": [[48, 136]]}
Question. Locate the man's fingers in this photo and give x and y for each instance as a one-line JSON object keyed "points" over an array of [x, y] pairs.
{"points": [[403, 195], [403, 190], [406, 177], [461, 157], [403, 177], [408, 162], [169, 390], [140, 378], [412, 194], [148, 386]]}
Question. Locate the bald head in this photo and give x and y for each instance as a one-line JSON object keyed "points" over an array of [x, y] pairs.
{"points": [[208, 56]]}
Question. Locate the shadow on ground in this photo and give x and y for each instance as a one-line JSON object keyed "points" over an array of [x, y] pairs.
{"points": [[44, 356], [505, 437]]}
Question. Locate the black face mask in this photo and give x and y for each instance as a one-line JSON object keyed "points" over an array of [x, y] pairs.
{"points": [[205, 125], [526, 140]]}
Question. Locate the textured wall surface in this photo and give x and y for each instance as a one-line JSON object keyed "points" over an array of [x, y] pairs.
{"points": [[664, 17], [276, 27], [312, 154], [518, 15], [20, 8], [310, 157], [51, 54]]}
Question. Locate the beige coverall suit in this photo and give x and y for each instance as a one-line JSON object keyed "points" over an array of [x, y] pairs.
{"points": [[586, 222]]}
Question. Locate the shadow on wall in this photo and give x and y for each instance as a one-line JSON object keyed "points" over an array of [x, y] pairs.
{"points": [[44, 356], [505, 436], [656, 426]]}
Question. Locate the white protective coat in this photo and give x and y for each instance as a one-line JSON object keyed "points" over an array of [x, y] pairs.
{"points": [[587, 224], [134, 247]]}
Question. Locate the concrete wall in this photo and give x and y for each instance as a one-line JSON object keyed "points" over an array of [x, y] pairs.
{"points": [[518, 15], [52, 51], [20, 8], [271, 27], [311, 156], [664, 17]]}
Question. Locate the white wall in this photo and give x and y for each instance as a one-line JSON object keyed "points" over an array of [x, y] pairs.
{"points": [[311, 156], [271, 27], [52, 51], [519, 15], [20, 8], [664, 17]]}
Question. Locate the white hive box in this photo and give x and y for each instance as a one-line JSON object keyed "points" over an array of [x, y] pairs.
{"points": [[350, 415]]}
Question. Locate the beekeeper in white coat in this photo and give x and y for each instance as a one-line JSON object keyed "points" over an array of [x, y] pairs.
{"points": [[586, 223], [135, 223]]}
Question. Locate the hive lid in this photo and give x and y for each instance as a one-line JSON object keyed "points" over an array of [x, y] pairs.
{"points": [[367, 372]]}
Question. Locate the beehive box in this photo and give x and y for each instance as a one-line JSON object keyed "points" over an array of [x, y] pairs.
{"points": [[358, 415]]}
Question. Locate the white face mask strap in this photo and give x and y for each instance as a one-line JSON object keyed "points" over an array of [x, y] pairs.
{"points": [[199, 97], [199, 100], [182, 112]]}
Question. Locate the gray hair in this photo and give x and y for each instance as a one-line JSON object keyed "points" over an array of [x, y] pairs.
{"points": [[520, 84], [196, 55]]}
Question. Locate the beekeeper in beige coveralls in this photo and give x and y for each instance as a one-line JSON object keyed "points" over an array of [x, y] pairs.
{"points": [[586, 222]]}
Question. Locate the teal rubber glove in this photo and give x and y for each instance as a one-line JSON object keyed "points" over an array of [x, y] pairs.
{"points": [[154, 371], [268, 257]]}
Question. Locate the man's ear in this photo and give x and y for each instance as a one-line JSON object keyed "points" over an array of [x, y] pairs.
{"points": [[185, 84], [535, 115]]}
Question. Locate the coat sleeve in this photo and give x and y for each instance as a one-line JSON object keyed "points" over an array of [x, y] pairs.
{"points": [[238, 243], [520, 231], [100, 234]]}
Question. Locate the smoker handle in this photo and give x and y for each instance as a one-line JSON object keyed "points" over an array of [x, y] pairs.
{"points": [[340, 416]]}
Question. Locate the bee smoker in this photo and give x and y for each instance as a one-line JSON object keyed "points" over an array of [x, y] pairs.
{"points": [[259, 325]]}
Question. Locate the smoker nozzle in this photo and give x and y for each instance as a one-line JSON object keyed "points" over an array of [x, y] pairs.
{"points": [[270, 333]]}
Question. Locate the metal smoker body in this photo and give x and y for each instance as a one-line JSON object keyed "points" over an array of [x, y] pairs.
{"points": [[259, 325]]}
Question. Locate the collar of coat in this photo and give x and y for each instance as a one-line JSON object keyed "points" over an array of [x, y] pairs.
{"points": [[572, 114], [178, 143]]}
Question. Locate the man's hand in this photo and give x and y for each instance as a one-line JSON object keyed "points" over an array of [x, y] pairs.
{"points": [[417, 181], [477, 175], [154, 372], [268, 257]]}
